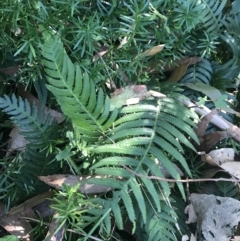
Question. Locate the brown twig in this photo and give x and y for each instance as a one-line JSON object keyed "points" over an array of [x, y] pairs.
{"points": [[183, 181]]}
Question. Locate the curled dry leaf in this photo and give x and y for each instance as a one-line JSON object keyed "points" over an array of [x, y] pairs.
{"points": [[202, 125], [58, 180]]}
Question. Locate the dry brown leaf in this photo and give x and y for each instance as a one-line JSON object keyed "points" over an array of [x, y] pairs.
{"points": [[32, 202], [179, 72], [208, 159], [16, 225], [58, 180], [168, 67], [209, 140], [204, 122], [99, 54], [218, 121], [9, 71], [51, 234], [154, 50]]}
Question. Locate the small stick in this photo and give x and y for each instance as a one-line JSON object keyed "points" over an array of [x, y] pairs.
{"points": [[183, 181]]}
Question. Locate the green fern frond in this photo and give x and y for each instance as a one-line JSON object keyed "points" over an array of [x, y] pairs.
{"points": [[160, 225], [231, 37], [140, 152], [76, 94], [28, 120], [36, 129], [211, 15], [136, 139]]}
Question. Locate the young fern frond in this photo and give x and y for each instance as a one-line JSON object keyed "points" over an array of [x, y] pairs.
{"points": [[88, 110]]}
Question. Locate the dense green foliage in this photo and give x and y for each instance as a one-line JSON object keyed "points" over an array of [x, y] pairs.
{"points": [[55, 50]]}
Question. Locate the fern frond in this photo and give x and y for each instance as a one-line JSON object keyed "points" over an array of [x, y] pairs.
{"points": [[211, 15], [231, 37], [160, 225], [76, 94], [36, 129], [28, 120], [138, 141]]}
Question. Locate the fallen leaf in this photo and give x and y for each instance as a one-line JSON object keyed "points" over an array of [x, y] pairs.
{"points": [[193, 238], [154, 50], [58, 180], [216, 120], [223, 155], [209, 140], [17, 141], [217, 217], [99, 54], [212, 172], [233, 168], [208, 159], [192, 217], [32, 202], [178, 72], [123, 42], [236, 238], [52, 235], [204, 122], [10, 71], [128, 95], [17, 226], [162, 66]]}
